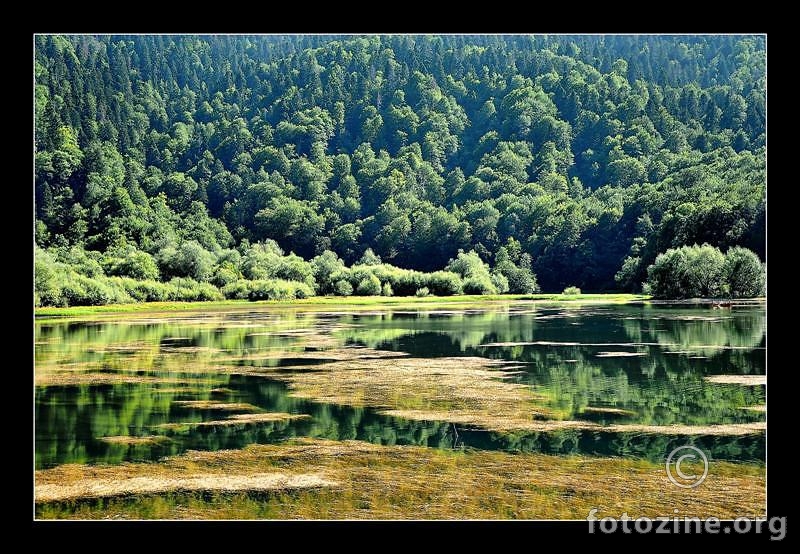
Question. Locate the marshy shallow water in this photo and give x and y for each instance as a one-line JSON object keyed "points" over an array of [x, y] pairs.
{"points": [[604, 380]]}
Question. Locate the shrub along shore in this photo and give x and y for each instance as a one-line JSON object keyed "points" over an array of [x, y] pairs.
{"points": [[76, 277]]}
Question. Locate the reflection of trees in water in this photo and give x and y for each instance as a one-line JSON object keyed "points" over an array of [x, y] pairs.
{"points": [[464, 330], [76, 442], [699, 332], [656, 397], [70, 421], [659, 388], [669, 330], [87, 342], [653, 447]]}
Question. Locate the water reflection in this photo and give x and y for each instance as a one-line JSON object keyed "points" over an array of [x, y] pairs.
{"points": [[559, 349], [563, 352]]}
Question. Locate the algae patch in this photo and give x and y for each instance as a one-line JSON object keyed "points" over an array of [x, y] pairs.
{"points": [[747, 380], [237, 419], [216, 406], [133, 441], [100, 488]]}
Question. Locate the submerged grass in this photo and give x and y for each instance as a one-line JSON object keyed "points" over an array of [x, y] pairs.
{"points": [[472, 391], [748, 380], [92, 378], [217, 406], [102, 488], [236, 419], [318, 479], [134, 441], [61, 378], [326, 479], [619, 354], [608, 410], [465, 390]]}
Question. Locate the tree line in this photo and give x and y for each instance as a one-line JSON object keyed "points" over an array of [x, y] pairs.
{"points": [[705, 272], [73, 276], [577, 159]]}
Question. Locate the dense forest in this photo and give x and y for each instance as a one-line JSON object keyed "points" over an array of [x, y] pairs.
{"points": [[268, 166]]}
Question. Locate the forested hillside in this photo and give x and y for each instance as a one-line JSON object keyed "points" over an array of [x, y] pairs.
{"points": [[578, 159]]}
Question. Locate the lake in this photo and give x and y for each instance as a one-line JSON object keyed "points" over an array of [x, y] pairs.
{"points": [[627, 380]]}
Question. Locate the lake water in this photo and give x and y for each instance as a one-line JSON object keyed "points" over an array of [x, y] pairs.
{"points": [[605, 364]]}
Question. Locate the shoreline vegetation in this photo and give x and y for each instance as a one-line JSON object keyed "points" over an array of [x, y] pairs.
{"points": [[182, 167], [70, 278], [177, 180]]}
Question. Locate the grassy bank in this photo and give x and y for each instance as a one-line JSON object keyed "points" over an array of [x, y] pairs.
{"points": [[354, 302], [320, 479]]}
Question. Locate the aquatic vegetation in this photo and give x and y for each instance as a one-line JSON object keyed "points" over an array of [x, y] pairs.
{"points": [[72, 378], [215, 405], [748, 380], [236, 419], [607, 410], [197, 413], [134, 440], [100, 488], [463, 390], [355, 480]]}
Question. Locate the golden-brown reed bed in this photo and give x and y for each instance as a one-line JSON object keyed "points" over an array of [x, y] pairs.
{"points": [[749, 380], [463, 390], [352, 479], [100, 488]]}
